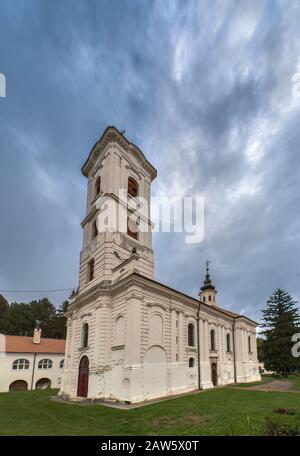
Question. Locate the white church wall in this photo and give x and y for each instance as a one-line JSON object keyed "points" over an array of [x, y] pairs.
{"points": [[138, 346]]}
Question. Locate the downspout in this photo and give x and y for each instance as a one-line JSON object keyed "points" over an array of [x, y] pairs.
{"points": [[234, 352], [198, 331], [33, 369]]}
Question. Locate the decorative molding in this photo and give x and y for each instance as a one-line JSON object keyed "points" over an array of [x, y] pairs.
{"points": [[117, 347], [134, 294], [112, 135], [131, 168], [83, 349], [190, 349], [152, 304], [93, 175], [90, 216], [87, 314]]}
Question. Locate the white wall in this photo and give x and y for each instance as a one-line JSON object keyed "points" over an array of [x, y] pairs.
{"points": [[9, 375], [155, 324]]}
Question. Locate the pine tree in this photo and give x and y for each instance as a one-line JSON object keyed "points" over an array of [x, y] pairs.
{"points": [[280, 321], [259, 343], [19, 318]]}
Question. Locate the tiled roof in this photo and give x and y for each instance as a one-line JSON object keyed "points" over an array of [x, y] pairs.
{"points": [[23, 344]]}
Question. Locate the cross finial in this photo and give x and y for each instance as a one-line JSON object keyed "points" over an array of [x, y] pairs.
{"points": [[207, 263]]}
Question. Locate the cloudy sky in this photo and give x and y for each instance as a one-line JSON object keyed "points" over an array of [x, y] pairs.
{"points": [[202, 87]]}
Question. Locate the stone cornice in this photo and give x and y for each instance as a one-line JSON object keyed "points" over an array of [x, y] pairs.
{"points": [[90, 216], [127, 205], [89, 295], [132, 257], [171, 293], [153, 304], [112, 135]]}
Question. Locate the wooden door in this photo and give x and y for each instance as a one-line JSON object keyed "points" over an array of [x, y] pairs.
{"points": [[18, 385], [214, 374], [83, 377]]}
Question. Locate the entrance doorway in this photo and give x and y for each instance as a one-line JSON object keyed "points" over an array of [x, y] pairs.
{"points": [[18, 385], [83, 377], [43, 383], [214, 373]]}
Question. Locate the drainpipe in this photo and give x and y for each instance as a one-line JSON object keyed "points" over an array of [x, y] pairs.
{"points": [[33, 369], [198, 333], [234, 352]]}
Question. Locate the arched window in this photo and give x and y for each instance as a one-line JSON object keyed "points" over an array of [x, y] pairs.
{"points": [[45, 364], [91, 267], [98, 186], [212, 340], [249, 344], [132, 228], [61, 364], [85, 335], [191, 335], [132, 187], [228, 343], [94, 230], [191, 362], [20, 364]]}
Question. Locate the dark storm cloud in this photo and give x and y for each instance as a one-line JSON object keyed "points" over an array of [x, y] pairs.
{"points": [[203, 88]]}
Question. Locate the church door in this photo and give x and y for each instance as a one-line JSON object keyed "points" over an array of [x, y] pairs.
{"points": [[214, 373], [83, 377]]}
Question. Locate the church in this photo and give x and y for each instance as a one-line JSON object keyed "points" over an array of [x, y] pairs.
{"points": [[131, 338]]}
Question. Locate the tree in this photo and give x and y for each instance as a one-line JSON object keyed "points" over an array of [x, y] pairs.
{"points": [[259, 342], [20, 318], [42, 311], [4, 307], [57, 326], [280, 321]]}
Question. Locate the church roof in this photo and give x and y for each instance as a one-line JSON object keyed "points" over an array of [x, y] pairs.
{"points": [[112, 134], [229, 313], [24, 344]]}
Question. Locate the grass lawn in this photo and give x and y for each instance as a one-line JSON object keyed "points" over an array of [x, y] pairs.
{"points": [[246, 385], [295, 379], [221, 411]]}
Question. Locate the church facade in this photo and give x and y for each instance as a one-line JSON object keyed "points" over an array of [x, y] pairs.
{"points": [[129, 337]]}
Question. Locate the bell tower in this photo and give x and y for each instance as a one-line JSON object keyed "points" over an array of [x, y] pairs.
{"points": [[118, 182], [208, 291]]}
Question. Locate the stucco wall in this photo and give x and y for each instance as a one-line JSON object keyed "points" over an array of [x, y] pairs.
{"points": [[8, 375], [128, 371]]}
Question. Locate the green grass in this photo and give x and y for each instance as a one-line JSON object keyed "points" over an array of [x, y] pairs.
{"points": [[294, 378], [246, 385], [296, 381], [221, 411]]}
